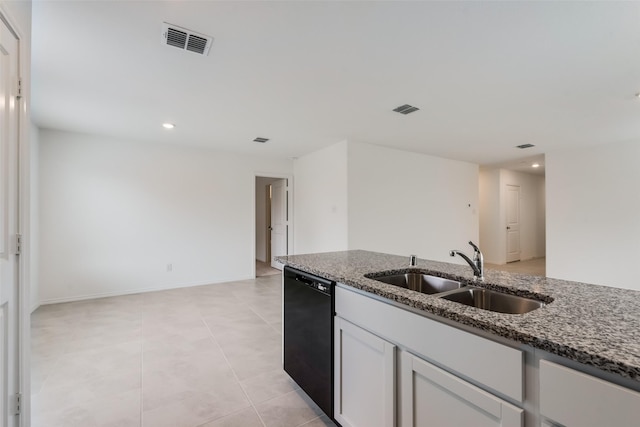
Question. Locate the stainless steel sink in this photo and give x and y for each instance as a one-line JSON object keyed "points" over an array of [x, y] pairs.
{"points": [[494, 301], [419, 282]]}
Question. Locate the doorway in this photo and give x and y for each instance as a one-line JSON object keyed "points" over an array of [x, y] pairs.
{"points": [[513, 222], [512, 216], [273, 223]]}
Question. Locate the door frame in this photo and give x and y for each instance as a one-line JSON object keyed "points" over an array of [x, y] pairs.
{"points": [[290, 222], [23, 217], [506, 222], [267, 215]]}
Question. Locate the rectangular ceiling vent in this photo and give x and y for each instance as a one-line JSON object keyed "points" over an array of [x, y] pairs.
{"points": [[523, 146], [262, 140], [405, 109], [184, 39]]}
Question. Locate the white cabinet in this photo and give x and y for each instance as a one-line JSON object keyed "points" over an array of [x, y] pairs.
{"points": [[364, 378], [571, 398], [492, 365], [431, 396]]}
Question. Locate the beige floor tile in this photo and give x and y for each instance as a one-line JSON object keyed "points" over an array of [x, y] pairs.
{"points": [[178, 377], [277, 326], [192, 327], [193, 408], [99, 338], [40, 369], [177, 346], [86, 365], [268, 312], [245, 418], [122, 410], [260, 332], [74, 393], [176, 357], [42, 348], [268, 385], [289, 410], [322, 421], [535, 267]]}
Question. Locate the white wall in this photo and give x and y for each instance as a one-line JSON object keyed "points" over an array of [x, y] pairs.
{"points": [[407, 203], [33, 218], [114, 214], [593, 226], [491, 217], [320, 204], [261, 217]]}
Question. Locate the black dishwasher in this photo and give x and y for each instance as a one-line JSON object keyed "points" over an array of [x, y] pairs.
{"points": [[308, 335]]}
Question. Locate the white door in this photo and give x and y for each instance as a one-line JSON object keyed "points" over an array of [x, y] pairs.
{"points": [[9, 312], [513, 223], [279, 223], [433, 397], [365, 378]]}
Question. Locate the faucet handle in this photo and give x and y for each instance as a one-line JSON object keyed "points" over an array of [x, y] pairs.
{"points": [[474, 246]]}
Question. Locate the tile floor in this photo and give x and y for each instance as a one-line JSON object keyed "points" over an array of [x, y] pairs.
{"points": [[206, 356], [265, 269], [534, 267]]}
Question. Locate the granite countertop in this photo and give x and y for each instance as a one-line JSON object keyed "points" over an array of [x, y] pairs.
{"points": [[591, 324]]}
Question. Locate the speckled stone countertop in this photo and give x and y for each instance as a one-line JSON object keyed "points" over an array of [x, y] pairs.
{"points": [[591, 324]]}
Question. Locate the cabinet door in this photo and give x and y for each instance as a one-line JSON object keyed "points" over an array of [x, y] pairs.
{"points": [[571, 398], [364, 378], [433, 397]]}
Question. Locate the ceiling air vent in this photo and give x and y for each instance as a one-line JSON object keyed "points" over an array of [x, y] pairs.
{"points": [[405, 109], [184, 39], [525, 146], [263, 140]]}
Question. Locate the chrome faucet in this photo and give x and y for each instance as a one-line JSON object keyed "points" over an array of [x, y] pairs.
{"points": [[477, 264]]}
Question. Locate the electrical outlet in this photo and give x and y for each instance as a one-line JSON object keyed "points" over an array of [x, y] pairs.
{"points": [[169, 267]]}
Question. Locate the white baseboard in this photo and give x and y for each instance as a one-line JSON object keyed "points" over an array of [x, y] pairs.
{"points": [[138, 291]]}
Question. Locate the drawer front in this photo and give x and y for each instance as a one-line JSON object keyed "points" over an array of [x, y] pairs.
{"points": [[572, 398], [493, 365]]}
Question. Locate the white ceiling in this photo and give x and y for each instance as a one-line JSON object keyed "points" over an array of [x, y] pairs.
{"points": [[487, 76]]}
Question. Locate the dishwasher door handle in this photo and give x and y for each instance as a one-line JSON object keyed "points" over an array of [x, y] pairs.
{"points": [[304, 280]]}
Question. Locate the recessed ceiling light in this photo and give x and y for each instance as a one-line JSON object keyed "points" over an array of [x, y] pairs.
{"points": [[523, 146], [535, 165], [168, 125], [262, 140]]}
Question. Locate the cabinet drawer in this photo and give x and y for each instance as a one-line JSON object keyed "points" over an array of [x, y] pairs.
{"points": [[573, 398], [493, 365]]}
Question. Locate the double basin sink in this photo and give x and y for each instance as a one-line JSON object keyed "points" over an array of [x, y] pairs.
{"points": [[459, 292]]}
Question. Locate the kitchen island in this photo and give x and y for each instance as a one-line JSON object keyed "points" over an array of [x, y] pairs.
{"points": [[588, 328]]}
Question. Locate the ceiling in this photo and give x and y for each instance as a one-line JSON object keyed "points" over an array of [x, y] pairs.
{"points": [[487, 76]]}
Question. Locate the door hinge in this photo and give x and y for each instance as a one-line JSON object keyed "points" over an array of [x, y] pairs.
{"points": [[18, 244], [17, 404], [19, 91]]}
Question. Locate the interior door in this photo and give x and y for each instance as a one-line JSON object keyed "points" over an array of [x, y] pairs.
{"points": [[279, 222], [8, 226], [513, 223]]}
